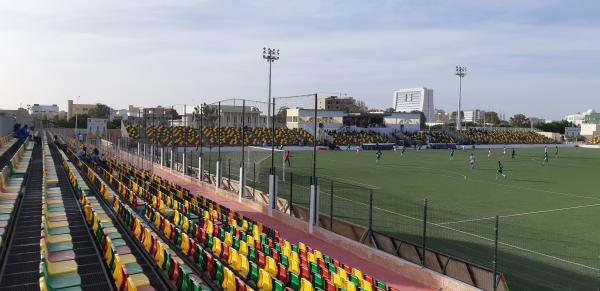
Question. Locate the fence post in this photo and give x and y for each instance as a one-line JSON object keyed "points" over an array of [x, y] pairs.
{"points": [[229, 172], [424, 242], [209, 160], [254, 179], [370, 211], [496, 254], [331, 207], [291, 192]]}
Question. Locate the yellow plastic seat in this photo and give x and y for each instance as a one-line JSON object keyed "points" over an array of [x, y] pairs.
{"points": [[136, 281]]}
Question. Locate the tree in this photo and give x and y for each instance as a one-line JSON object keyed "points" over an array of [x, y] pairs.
{"points": [[115, 123], [100, 111], [358, 107], [389, 110], [492, 117], [554, 126], [519, 120], [281, 116], [453, 116], [422, 119]]}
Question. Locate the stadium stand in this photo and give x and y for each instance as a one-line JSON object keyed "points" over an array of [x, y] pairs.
{"points": [[431, 137], [596, 140], [358, 137], [185, 135], [234, 249], [504, 137]]}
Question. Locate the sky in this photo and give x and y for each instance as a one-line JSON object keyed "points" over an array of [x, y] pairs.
{"points": [[538, 57]]}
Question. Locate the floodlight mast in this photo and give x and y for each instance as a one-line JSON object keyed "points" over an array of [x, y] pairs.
{"points": [[271, 55], [461, 72]]}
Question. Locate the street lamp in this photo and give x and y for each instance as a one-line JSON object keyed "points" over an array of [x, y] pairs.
{"points": [[461, 72], [270, 55], [76, 135]]}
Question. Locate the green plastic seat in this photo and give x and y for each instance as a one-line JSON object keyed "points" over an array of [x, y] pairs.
{"points": [[253, 274], [219, 275], [294, 281], [251, 254], [60, 246], [133, 268], [68, 280], [284, 260], [59, 230], [318, 281], [278, 285]]}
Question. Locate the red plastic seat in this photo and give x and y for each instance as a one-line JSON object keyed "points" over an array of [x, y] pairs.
{"points": [[260, 259]]}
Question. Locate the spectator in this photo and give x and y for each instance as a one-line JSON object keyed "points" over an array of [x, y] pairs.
{"points": [[22, 132], [82, 153]]}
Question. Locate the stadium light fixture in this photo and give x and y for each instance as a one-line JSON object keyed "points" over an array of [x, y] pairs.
{"points": [[270, 55], [461, 72]]}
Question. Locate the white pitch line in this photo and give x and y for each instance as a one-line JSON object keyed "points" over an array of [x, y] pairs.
{"points": [[520, 214], [351, 182], [481, 237]]}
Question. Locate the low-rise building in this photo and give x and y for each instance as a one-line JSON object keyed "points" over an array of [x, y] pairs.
{"points": [[79, 109], [47, 111], [336, 103], [578, 118], [473, 115]]}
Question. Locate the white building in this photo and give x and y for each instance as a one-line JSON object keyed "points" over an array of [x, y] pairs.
{"points": [[304, 118], [578, 118], [473, 115], [415, 99], [406, 122], [385, 123], [590, 130], [44, 110]]}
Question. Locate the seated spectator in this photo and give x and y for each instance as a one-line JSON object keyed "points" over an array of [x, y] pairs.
{"points": [[82, 153]]}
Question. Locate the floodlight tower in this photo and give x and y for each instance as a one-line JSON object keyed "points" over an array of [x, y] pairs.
{"points": [[461, 72], [270, 55]]}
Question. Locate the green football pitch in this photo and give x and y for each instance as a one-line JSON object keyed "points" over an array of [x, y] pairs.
{"points": [[549, 238]]}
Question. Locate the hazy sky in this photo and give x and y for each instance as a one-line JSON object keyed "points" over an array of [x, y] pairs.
{"points": [[537, 57]]}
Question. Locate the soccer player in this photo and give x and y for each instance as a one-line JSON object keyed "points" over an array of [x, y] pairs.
{"points": [[348, 147], [489, 156], [378, 156], [556, 152], [472, 161], [452, 154], [500, 170], [286, 158], [513, 153], [403, 150], [504, 151], [545, 148], [545, 158]]}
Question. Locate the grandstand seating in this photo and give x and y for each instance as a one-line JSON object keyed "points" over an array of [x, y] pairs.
{"points": [[504, 137], [58, 268], [358, 137], [185, 135], [431, 137], [126, 271], [233, 249], [5, 143], [596, 140], [11, 180]]}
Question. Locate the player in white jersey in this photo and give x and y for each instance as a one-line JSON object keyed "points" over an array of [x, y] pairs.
{"points": [[472, 161]]}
